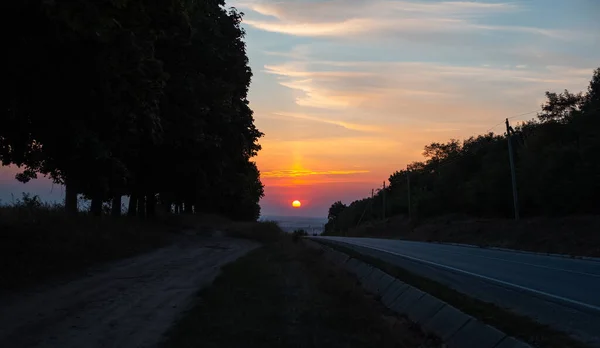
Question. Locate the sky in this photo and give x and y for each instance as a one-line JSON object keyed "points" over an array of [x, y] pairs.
{"points": [[349, 91]]}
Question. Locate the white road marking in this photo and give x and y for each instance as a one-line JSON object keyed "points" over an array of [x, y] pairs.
{"points": [[505, 283], [596, 275]]}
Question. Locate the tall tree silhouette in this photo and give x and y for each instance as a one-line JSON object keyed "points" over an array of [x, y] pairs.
{"points": [[557, 169], [134, 97]]}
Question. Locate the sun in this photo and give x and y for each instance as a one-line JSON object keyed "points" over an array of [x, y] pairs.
{"points": [[296, 204]]}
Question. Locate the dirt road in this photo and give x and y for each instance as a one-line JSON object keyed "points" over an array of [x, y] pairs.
{"points": [[130, 303]]}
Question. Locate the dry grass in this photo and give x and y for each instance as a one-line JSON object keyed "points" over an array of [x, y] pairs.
{"points": [[210, 224], [576, 235], [512, 324], [262, 231], [285, 295], [39, 241]]}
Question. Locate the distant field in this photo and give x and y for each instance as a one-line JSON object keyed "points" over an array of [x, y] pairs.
{"points": [[292, 223]]}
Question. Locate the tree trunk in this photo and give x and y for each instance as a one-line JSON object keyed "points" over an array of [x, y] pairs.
{"points": [[141, 206], [187, 208], [132, 209], [151, 205], [116, 205], [70, 198], [168, 207], [178, 208], [96, 207]]}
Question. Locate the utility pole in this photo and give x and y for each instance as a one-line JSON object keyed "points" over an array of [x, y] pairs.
{"points": [[369, 205], [408, 186], [383, 195], [513, 175]]}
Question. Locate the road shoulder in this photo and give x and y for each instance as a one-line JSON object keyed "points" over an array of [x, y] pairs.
{"points": [[511, 323], [285, 295], [129, 303]]}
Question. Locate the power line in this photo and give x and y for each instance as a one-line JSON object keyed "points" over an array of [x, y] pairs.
{"points": [[447, 163], [524, 114], [510, 118]]}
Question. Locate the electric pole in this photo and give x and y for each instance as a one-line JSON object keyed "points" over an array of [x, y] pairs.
{"points": [[369, 205], [509, 132], [383, 195], [408, 186]]}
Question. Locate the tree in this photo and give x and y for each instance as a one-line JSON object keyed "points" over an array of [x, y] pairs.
{"points": [[556, 159], [139, 98], [98, 80], [560, 106], [335, 210]]}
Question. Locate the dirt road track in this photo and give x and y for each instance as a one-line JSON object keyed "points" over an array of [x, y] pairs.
{"points": [[130, 303]]}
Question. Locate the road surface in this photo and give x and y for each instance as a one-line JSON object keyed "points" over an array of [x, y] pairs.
{"points": [[130, 303], [558, 291]]}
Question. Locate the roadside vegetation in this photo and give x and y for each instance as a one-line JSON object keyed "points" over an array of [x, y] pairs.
{"points": [[284, 294], [522, 327], [111, 99], [568, 235], [469, 181], [40, 241], [144, 99]]}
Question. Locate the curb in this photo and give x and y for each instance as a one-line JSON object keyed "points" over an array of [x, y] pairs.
{"points": [[454, 327]]}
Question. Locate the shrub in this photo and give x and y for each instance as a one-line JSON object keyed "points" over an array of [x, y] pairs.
{"points": [[297, 234], [261, 231]]}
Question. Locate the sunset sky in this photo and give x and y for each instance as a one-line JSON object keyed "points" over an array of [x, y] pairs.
{"points": [[349, 91]]}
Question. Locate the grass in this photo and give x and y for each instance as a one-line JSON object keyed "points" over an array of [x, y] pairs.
{"points": [[39, 241], [261, 231], [571, 235], [512, 324], [285, 295]]}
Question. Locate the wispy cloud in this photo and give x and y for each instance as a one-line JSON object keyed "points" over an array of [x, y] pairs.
{"points": [[415, 90], [301, 173], [327, 10], [363, 19], [347, 125]]}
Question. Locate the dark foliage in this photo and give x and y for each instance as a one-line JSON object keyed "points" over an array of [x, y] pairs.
{"points": [[131, 97], [557, 164]]}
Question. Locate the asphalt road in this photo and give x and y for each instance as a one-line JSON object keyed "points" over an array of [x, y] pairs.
{"points": [[562, 292]]}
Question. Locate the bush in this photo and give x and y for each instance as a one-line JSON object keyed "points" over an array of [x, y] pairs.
{"points": [[40, 240], [261, 231], [297, 234]]}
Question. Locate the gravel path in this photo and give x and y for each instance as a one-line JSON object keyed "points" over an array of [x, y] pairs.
{"points": [[130, 303]]}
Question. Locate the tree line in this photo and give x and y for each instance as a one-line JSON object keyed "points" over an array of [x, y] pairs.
{"points": [[557, 160], [138, 98]]}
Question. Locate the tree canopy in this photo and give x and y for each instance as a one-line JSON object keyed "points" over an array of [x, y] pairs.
{"points": [[141, 98], [557, 166]]}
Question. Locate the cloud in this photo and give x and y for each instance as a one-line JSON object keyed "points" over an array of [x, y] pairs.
{"points": [[347, 85], [399, 92], [344, 28], [339, 10], [300, 173], [378, 18], [299, 77], [365, 84], [305, 127], [347, 125]]}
